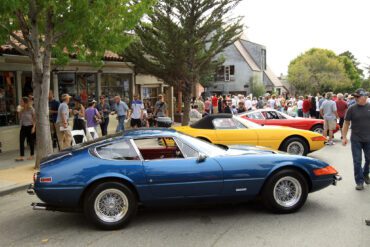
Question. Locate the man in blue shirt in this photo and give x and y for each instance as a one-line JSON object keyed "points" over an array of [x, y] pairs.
{"points": [[120, 108]]}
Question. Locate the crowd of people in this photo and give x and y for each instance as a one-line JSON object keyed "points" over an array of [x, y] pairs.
{"points": [[91, 115]]}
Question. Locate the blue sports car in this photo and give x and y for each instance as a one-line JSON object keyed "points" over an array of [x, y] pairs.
{"points": [[108, 179]]}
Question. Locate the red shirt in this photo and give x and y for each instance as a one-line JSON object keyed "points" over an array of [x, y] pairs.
{"points": [[306, 106], [214, 101], [341, 108]]}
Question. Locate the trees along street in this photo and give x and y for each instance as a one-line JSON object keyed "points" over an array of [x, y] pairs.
{"points": [[321, 70], [181, 40], [44, 29]]}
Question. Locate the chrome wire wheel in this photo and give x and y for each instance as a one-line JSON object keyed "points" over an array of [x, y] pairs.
{"points": [[111, 205], [287, 191], [295, 147]]}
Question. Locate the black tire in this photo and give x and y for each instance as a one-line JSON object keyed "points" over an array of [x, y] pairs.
{"points": [[318, 128], [268, 195], [120, 191], [295, 145]]}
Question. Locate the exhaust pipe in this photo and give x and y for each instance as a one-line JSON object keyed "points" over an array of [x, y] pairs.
{"points": [[39, 206]]}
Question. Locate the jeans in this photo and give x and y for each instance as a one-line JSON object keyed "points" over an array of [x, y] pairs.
{"points": [[357, 148], [26, 133], [104, 126], [121, 123]]}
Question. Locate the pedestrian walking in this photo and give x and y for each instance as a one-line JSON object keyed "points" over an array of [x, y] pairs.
{"points": [[120, 108], [62, 126], [53, 114], [104, 110], [27, 120], [341, 109], [328, 111], [92, 115], [79, 122], [358, 116], [306, 106], [215, 103], [136, 113], [300, 106], [160, 107]]}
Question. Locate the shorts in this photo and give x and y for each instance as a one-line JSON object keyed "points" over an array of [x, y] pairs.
{"points": [[330, 124], [135, 122]]}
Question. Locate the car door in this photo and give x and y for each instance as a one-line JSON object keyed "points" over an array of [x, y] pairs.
{"points": [[183, 176], [230, 132]]}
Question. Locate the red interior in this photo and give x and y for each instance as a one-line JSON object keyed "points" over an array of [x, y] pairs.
{"points": [[159, 153]]}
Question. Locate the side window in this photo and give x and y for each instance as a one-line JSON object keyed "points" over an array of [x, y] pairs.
{"points": [[158, 148], [256, 115], [271, 115], [224, 123], [122, 150], [281, 116], [188, 151]]}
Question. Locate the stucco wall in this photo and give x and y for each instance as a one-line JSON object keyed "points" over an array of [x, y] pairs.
{"points": [[255, 50], [243, 72]]}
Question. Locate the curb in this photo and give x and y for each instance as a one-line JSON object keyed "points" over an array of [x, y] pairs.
{"points": [[13, 189]]}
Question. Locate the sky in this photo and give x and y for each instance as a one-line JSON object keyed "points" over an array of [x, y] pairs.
{"points": [[288, 28]]}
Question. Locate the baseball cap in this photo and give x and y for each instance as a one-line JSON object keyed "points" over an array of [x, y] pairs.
{"points": [[360, 92], [65, 95]]}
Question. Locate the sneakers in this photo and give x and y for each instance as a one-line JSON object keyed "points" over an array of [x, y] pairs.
{"points": [[329, 143], [367, 179], [359, 187]]}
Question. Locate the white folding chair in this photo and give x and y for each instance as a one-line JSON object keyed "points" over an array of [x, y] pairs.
{"points": [[93, 133], [78, 133]]}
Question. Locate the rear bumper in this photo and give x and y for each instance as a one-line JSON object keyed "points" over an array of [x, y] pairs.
{"points": [[322, 183]]}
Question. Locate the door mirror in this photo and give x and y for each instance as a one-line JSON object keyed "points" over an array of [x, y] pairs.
{"points": [[201, 157]]}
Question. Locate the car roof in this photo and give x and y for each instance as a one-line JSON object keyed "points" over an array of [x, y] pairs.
{"points": [[148, 132], [206, 122]]}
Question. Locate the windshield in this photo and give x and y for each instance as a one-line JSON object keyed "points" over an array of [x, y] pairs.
{"points": [[203, 146], [247, 123]]}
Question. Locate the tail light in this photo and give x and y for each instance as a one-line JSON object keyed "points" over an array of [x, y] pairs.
{"points": [[328, 170], [318, 138], [46, 180]]}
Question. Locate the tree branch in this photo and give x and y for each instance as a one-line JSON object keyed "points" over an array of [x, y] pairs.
{"points": [[20, 50]]}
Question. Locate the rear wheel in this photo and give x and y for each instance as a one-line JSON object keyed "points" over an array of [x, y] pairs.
{"points": [[296, 146], [110, 205], [285, 192], [318, 128]]}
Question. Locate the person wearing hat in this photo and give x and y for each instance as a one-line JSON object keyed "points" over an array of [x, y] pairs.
{"points": [[358, 116], [62, 126]]}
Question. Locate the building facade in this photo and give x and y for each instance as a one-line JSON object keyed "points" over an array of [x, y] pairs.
{"points": [[245, 63], [79, 79]]}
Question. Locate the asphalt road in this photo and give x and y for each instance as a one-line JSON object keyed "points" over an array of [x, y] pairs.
{"points": [[331, 217]]}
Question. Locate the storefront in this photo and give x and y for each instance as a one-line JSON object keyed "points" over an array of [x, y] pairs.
{"points": [[77, 79]]}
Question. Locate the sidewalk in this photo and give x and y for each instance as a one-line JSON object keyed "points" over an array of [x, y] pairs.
{"points": [[14, 176]]}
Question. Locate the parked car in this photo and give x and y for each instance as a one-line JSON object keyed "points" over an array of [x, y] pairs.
{"points": [[273, 117], [108, 179], [226, 129]]}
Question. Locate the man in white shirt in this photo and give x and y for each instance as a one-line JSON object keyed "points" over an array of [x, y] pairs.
{"points": [[137, 109], [300, 106], [248, 103]]}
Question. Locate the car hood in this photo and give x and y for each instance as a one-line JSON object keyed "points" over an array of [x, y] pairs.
{"points": [[244, 149]]}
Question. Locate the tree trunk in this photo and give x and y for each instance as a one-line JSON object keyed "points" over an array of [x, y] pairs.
{"points": [[41, 84], [187, 100]]}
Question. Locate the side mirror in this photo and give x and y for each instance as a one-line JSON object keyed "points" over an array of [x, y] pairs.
{"points": [[201, 157]]}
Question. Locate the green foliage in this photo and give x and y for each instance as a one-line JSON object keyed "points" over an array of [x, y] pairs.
{"points": [[257, 87], [318, 70], [181, 40], [84, 27], [356, 64]]}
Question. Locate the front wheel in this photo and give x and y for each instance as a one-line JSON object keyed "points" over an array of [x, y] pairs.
{"points": [[110, 205], [285, 192], [296, 146]]}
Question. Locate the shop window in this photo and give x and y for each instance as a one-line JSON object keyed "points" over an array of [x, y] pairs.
{"points": [[8, 99], [67, 84], [86, 83], [150, 94], [116, 84], [27, 88]]}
